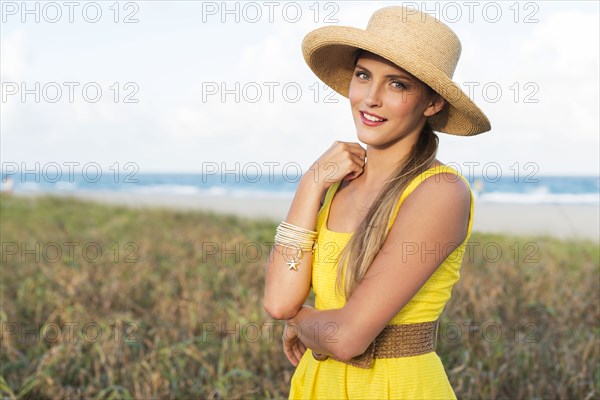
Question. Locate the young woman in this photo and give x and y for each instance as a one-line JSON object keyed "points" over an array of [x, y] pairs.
{"points": [[378, 234]]}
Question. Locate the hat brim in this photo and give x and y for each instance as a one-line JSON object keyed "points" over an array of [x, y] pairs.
{"points": [[328, 52]]}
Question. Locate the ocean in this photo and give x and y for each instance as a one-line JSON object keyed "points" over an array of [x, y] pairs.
{"points": [[538, 190]]}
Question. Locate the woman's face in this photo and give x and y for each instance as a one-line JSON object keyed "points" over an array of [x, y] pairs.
{"points": [[388, 104]]}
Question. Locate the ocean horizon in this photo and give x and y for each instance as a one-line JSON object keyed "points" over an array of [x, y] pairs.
{"points": [[505, 189]]}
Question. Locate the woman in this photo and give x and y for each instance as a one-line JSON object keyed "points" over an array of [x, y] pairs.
{"points": [[378, 241]]}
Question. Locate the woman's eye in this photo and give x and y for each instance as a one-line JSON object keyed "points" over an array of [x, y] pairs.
{"points": [[399, 85], [361, 75]]}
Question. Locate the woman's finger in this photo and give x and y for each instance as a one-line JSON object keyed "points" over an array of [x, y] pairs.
{"points": [[357, 169], [302, 347], [297, 352], [360, 161], [291, 357], [355, 149], [359, 151]]}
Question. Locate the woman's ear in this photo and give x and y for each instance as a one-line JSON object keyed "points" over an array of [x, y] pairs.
{"points": [[436, 103]]}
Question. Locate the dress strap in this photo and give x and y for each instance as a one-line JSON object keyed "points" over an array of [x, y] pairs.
{"points": [[409, 189], [324, 210], [419, 179], [330, 193]]}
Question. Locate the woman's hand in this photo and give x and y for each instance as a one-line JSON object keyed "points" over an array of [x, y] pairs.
{"points": [[292, 345], [343, 160]]}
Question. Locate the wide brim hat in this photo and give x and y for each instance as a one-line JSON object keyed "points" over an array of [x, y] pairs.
{"points": [[416, 42]]}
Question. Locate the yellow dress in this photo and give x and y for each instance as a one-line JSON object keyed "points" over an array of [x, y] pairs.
{"points": [[416, 377]]}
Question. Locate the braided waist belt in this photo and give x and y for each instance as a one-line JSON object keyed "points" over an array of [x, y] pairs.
{"points": [[396, 341]]}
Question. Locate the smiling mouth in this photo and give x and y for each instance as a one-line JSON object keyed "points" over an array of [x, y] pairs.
{"points": [[372, 118]]}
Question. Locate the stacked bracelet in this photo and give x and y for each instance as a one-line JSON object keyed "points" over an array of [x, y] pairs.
{"points": [[302, 239]]}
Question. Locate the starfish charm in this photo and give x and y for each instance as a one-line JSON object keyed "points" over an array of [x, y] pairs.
{"points": [[292, 265]]}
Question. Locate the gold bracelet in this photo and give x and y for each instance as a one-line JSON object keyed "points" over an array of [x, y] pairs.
{"points": [[292, 263], [292, 236]]}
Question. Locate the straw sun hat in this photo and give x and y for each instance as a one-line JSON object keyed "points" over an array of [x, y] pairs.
{"points": [[414, 41]]}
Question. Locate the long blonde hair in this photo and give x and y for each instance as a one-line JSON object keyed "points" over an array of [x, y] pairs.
{"points": [[368, 238]]}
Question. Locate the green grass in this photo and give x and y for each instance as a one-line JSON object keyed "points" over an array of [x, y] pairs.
{"points": [[159, 312]]}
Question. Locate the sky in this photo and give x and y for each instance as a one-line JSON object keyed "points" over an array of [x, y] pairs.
{"points": [[179, 86]]}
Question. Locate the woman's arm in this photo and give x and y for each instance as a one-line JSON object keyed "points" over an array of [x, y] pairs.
{"points": [[285, 290], [431, 223]]}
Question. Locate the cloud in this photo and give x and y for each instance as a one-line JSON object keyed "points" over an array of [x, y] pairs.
{"points": [[561, 54], [15, 55], [173, 126]]}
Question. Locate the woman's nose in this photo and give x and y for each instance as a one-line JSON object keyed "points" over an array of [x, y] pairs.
{"points": [[373, 98]]}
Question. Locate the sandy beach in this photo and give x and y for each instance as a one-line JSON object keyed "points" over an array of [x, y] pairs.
{"points": [[563, 221]]}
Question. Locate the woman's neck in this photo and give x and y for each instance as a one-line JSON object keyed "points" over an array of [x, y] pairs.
{"points": [[378, 169]]}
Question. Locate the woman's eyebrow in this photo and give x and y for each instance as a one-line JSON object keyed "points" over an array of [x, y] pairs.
{"points": [[405, 76]]}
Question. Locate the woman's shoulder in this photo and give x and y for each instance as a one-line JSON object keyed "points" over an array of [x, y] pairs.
{"points": [[442, 194], [438, 182], [439, 179]]}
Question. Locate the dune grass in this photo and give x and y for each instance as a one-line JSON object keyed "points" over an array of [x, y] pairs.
{"points": [[110, 302]]}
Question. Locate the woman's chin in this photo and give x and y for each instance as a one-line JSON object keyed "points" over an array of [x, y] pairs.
{"points": [[369, 138]]}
